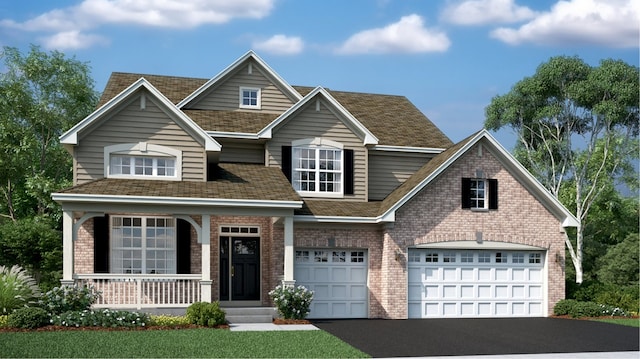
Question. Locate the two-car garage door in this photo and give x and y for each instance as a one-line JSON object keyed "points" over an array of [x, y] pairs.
{"points": [[475, 283], [338, 278]]}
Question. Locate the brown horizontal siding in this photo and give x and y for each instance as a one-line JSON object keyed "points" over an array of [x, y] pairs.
{"points": [[132, 125], [309, 123], [388, 170]]}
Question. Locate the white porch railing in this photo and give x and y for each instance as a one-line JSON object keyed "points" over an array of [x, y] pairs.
{"points": [[143, 291]]}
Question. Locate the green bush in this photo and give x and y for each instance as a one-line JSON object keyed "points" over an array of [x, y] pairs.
{"points": [[577, 309], [292, 302], [28, 318], [168, 320], [69, 298], [101, 318], [624, 297], [17, 289], [206, 314]]}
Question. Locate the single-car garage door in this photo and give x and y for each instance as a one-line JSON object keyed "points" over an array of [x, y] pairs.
{"points": [[338, 279], [475, 283]]}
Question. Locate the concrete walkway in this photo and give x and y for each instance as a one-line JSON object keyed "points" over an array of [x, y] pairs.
{"points": [[261, 327]]}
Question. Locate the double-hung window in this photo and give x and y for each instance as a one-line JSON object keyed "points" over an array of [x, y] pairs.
{"points": [[143, 245], [317, 167], [479, 193]]}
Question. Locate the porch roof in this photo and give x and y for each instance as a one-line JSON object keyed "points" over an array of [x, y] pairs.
{"points": [[231, 182]]}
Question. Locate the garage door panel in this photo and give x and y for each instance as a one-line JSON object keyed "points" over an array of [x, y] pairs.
{"points": [[339, 280], [475, 283]]}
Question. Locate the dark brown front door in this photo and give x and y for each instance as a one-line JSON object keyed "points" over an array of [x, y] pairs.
{"points": [[239, 268]]}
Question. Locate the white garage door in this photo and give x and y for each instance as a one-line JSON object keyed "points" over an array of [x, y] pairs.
{"points": [[338, 279], [475, 283]]}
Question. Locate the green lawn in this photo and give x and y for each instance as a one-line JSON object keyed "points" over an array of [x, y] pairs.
{"points": [[183, 343], [632, 322]]}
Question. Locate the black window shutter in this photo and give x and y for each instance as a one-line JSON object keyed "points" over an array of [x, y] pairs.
{"points": [[101, 244], [286, 161], [183, 247], [493, 194], [348, 171], [464, 193]]}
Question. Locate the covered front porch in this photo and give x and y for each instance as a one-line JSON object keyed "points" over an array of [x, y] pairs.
{"points": [[173, 281]]}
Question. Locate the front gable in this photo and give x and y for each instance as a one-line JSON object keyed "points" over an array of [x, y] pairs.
{"points": [[226, 91], [139, 115]]}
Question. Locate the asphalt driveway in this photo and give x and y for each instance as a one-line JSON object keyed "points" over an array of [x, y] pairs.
{"points": [[442, 337]]}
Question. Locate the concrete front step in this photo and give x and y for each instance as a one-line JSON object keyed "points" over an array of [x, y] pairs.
{"points": [[249, 314]]}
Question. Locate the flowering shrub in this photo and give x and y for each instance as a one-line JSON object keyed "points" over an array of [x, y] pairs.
{"points": [[577, 309], [69, 298], [101, 318], [292, 302]]}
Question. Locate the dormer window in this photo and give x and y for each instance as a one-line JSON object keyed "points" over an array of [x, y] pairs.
{"points": [[142, 160], [249, 98]]}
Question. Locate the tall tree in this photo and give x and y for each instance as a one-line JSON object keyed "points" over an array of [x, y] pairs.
{"points": [[577, 128], [41, 95]]}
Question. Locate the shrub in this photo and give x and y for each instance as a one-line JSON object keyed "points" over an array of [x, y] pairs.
{"points": [[28, 318], [69, 298], [101, 318], [206, 314], [4, 321], [292, 302], [17, 289], [168, 320], [577, 309]]}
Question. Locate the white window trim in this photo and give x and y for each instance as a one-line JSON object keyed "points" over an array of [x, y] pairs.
{"points": [[318, 143], [485, 198], [258, 91], [143, 228], [147, 150]]}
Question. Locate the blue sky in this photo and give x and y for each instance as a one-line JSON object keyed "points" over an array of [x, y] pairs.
{"points": [[449, 57]]}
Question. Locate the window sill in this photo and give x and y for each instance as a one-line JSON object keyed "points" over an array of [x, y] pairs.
{"points": [[320, 195], [153, 178]]}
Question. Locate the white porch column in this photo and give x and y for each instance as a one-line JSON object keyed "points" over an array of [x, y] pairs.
{"points": [[288, 251], [205, 240], [67, 247]]}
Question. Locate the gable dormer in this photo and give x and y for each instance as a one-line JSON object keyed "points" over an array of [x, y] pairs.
{"points": [[248, 84]]}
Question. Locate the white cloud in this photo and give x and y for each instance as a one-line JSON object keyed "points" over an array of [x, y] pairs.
{"points": [[280, 45], [71, 22], [612, 23], [73, 40], [479, 12], [409, 35]]}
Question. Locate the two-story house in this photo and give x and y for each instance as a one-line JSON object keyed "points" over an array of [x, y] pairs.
{"points": [[220, 189]]}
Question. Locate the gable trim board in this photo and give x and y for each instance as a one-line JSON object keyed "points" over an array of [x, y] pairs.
{"points": [[250, 55], [533, 185], [349, 120], [71, 136]]}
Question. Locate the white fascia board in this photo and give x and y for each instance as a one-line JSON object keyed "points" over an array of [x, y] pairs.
{"points": [[407, 149], [389, 215], [231, 68], [533, 184], [367, 137], [169, 201], [238, 135], [335, 219], [71, 137]]}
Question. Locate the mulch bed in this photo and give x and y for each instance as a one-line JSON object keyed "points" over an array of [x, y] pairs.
{"points": [[57, 328], [280, 321]]}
